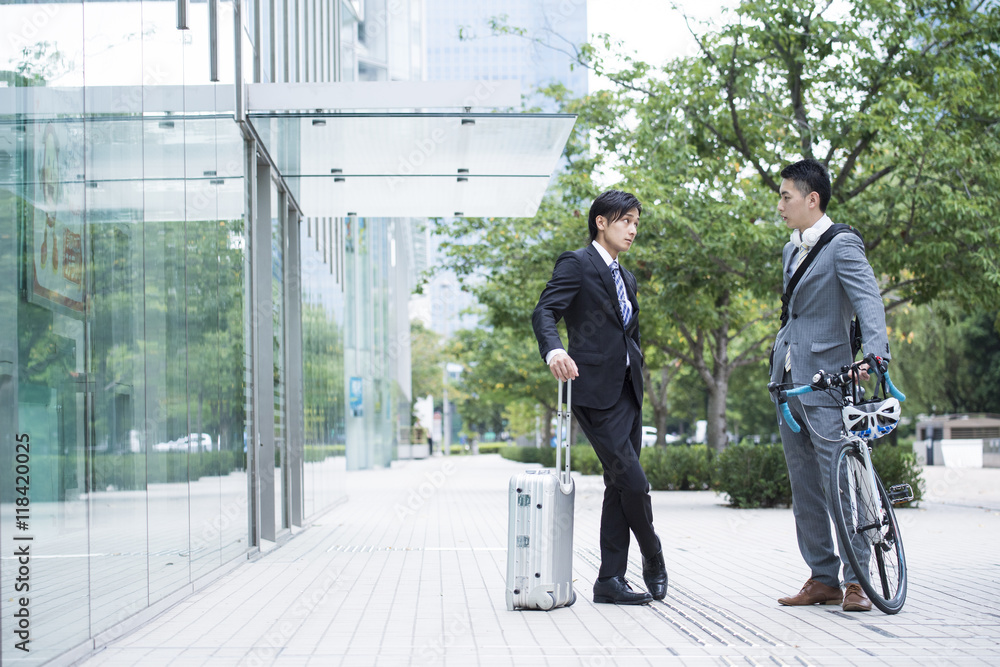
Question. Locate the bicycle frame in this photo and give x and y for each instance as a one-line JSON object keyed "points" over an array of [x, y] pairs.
{"points": [[860, 507], [846, 380], [868, 491]]}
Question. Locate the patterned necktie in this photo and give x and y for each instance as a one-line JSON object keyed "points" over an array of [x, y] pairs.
{"points": [[803, 251], [623, 302]]}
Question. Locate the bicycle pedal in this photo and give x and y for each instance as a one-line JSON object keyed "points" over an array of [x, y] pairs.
{"points": [[900, 493]]}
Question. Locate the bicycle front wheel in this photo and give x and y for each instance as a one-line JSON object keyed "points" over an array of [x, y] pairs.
{"points": [[868, 531]]}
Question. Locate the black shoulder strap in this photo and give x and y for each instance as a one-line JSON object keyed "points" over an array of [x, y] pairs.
{"points": [[836, 228]]}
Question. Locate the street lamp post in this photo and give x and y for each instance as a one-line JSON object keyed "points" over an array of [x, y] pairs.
{"points": [[445, 412]]}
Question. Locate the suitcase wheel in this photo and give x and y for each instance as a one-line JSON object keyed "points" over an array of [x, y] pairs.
{"points": [[542, 599]]}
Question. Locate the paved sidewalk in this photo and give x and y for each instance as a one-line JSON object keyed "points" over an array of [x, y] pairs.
{"points": [[410, 571]]}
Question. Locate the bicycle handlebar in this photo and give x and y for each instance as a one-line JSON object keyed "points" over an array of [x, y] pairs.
{"points": [[892, 388], [823, 381]]}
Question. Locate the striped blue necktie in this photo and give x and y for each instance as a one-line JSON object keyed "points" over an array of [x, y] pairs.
{"points": [[623, 302]]}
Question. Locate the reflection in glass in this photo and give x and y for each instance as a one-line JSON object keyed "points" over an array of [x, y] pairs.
{"points": [[278, 309], [167, 420], [118, 567], [323, 362], [46, 390]]}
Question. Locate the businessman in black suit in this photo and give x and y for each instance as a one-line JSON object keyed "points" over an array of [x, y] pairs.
{"points": [[597, 298]]}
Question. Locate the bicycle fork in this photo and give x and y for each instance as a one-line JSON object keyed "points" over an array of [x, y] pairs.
{"points": [[867, 512]]}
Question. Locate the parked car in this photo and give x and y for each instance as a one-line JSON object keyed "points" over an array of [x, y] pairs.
{"points": [[649, 436], [193, 442]]}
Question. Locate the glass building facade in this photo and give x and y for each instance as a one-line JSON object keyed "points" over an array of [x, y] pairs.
{"points": [[188, 363], [203, 322]]}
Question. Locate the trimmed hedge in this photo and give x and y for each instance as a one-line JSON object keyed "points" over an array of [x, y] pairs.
{"points": [[898, 465], [753, 475], [582, 457], [316, 453], [749, 475], [668, 468], [678, 467], [546, 456], [756, 475]]}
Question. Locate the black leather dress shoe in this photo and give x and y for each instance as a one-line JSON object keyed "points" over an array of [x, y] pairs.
{"points": [[654, 573], [616, 590]]}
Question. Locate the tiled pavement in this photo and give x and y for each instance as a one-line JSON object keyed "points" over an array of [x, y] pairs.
{"points": [[410, 571]]}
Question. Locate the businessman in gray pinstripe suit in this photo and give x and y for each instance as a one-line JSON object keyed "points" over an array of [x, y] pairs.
{"points": [[837, 284]]}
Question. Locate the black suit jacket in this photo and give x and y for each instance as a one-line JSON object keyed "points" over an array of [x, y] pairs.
{"points": [[582, 291]]}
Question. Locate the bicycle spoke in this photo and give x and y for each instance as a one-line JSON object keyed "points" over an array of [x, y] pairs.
{"points": [[868, 531]]}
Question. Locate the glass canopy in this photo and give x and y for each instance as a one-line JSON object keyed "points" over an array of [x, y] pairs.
{"points": [[415, 164], [339, 158]]}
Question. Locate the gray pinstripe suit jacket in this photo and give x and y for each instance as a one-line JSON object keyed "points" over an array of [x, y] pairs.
{"points": [[839, 283]]}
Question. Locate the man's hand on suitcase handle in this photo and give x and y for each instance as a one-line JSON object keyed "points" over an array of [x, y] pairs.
{"points": [[563, 367]]}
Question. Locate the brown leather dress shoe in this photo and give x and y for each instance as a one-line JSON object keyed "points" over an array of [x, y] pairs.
{"points": [[814, 592], [855, 599]]}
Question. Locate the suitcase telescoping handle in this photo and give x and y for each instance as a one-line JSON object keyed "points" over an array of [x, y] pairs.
{"points": [[564, 418]]}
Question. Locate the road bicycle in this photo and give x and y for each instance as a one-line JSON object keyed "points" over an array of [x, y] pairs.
{"points": [[862, 509]]}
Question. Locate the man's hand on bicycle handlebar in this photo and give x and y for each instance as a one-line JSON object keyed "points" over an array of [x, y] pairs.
{"points": [[857, 371]]}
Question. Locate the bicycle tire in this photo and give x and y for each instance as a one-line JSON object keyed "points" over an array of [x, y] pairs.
{"points": [[880, 565]]}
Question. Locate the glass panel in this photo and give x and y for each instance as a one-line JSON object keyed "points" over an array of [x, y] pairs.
{"points": [[162, 44], [234, 351], [43, 496], [227, 43], [11, 208], [323, 362], [278, 308], [372, 32], [405, 145], [118, 519], [427, 196], [232, 523], [167, 419], [117, 276], [203, 323], [348, 45], [409, 166], [118, 465]]}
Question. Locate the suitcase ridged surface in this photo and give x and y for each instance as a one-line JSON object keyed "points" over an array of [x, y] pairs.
{"points": [[540, 535]]}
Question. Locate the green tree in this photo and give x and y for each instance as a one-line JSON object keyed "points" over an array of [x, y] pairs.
{"points": [[502, 366], [426, 359], [899, 99], [952, 359], [323, 373]]}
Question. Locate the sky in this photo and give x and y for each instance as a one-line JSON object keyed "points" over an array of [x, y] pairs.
{"points": [[652, 29]]}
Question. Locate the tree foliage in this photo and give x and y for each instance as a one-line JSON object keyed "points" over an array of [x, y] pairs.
{"points": [[502, 367], [426, 359], [899, 99], [952, 359]]}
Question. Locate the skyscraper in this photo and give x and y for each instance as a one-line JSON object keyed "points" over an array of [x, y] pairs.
{"points": [[538, 51]]}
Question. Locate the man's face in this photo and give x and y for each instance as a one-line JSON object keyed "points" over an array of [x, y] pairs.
{"points": [[618, 236], [799, 211]]}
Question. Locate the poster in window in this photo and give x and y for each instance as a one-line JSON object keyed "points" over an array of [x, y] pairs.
{"points": [[56, 236]]}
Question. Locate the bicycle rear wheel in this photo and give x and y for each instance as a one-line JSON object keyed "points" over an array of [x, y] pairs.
{"points": [[868, 532]]}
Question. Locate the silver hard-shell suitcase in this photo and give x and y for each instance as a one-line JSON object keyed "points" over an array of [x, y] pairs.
{"points": [[540, 528]]}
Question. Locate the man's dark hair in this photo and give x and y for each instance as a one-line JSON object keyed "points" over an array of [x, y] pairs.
{"points": [[810, 176], [612, 204]]}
